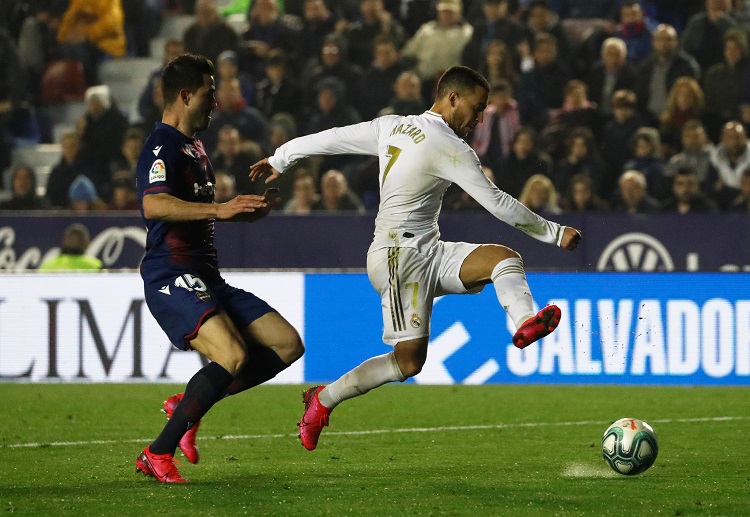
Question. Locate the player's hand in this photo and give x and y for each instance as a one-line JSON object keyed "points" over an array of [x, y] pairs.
{"points": [[571, 238], [261, 168], [243, 204]]}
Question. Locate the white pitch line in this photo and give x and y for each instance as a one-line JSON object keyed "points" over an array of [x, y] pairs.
{"points": [[384, 431]]}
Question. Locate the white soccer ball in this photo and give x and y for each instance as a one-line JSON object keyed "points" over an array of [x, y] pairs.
{"points": [[629, 446]]}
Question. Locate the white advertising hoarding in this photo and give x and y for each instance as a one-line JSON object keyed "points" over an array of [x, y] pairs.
{"points": [[95, 327]]}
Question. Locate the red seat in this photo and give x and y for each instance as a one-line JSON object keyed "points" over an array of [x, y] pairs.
{"points": [[63, 81]]}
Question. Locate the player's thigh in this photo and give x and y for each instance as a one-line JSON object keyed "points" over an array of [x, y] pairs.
{"points": [[406, 282], [220, 340], [273, 331], [466, 268], [261, 324]]}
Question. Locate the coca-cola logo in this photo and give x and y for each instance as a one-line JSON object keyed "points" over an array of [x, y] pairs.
{"points": [[107, 245]]}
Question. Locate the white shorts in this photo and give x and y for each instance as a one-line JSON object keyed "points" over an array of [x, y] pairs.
{"points": [[408, 282]]}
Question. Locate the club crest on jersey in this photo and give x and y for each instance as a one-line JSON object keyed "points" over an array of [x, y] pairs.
{"points": [[204, 190], [188, 149], [158, 172]]}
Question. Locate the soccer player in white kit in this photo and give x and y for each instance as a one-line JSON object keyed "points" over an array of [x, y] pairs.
{"points": [[407, 263]]}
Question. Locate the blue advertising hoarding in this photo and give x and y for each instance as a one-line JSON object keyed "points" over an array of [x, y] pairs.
{"points": [[617, 328]]}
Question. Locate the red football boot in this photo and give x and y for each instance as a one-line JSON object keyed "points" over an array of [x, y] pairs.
{"points": [[159, 466], [187, 443], [534, 329], [314, 418]]}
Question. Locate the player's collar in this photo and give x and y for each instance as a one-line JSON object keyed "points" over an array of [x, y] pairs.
{"points": [[436, 115]]}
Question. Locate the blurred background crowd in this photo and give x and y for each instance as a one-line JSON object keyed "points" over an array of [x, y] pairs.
{"points": [[595, 105]]}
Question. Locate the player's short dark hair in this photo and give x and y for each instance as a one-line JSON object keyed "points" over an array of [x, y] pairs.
{"points": [[460, 79], [185, 71]]}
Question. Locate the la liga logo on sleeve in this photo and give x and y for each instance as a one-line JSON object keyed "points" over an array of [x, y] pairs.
{"points": [[158, 172]]}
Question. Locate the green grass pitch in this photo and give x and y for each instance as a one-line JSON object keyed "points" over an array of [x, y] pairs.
{"points": [[69, 449]]}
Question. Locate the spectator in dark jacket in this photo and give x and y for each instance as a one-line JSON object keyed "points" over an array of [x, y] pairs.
{"points": [[703, 37], [335, 195], [408, 99], [722, 84], [633, 196], [332, 62], [209, 35], [687, 196], [617, 131], [378, 80], [374, 22], [279, 91], [613, 72], [268, 29], [524, 161], [332, 110], [67, 169], [234, 111], [497, 22], [541, 87], [104, 128], [658, 72], [581, 196], [317, 22]]}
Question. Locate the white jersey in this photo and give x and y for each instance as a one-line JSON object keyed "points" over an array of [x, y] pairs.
{"points": [[420, 156]]}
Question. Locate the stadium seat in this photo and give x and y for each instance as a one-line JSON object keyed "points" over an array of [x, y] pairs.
{"points": [[174, 25], [63, 80], [127, 78], [64, 112], [41, 157]]}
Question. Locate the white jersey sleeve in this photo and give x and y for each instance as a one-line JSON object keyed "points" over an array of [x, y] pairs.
{"points": [[359, 138], [465, 170]]}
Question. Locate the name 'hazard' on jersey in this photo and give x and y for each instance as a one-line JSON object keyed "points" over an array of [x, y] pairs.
{"points": [[175, 164]]}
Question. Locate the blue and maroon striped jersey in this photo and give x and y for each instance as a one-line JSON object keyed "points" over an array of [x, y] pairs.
{"points": [[175, 164]]}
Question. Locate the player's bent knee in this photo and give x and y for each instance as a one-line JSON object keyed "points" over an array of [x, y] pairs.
{"points": [[293, 351], [410, 364], [410, 368], [233, 360]]}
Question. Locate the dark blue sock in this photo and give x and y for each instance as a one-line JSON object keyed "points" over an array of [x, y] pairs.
{"points": [[202, 391]]}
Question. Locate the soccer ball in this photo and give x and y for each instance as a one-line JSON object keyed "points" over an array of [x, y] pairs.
{"points": [[629, 446]]}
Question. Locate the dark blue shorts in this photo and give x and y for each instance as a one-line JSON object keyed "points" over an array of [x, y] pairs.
{"points": [[181, 301]]}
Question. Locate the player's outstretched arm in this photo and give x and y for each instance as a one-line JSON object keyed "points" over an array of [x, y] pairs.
{"points": [[262, 168], [165, 207], [570, 239]]}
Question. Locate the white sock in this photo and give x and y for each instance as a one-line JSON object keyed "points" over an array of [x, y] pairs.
{"points": [[512, 290], [372, 373]]}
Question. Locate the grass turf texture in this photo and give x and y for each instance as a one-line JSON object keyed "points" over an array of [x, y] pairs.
{"points": [[533, 450]]}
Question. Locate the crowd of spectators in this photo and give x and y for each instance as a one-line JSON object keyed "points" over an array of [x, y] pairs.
{"points": [[636, 106]]}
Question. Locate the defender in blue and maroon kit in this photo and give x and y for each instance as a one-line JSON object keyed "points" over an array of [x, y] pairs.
{"points": [[246, 340]]}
